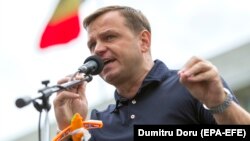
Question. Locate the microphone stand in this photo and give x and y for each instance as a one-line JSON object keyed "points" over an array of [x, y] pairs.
{"points": [[44, 104]]}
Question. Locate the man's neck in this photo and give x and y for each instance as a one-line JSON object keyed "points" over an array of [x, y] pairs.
{"points": [[130, 88]]}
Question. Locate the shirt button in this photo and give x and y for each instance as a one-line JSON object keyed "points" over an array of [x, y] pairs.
{"points": [[133, 101], [132, 116]]}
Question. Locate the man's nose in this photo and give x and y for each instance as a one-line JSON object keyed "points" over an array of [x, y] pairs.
{"points": [[100, 49]]}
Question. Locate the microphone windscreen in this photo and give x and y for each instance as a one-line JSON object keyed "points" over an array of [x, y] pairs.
{"points": [[99, 63]]}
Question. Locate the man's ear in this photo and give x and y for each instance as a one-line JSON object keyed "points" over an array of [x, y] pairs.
{"points": [[145, 38]]}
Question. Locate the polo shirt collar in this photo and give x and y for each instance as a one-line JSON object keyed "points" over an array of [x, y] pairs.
{"points": [[157, 74]]}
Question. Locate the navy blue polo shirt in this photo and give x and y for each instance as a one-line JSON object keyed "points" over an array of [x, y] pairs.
{"points": [[161, 99]]}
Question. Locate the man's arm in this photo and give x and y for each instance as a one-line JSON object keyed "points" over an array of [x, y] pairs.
{"points": [[202, 79]]}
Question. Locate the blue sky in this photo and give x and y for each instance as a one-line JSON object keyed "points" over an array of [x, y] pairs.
{"points": [[180, 29]]}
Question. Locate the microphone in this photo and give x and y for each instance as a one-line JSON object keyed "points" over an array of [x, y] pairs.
{"points": [[92, 65], [21, 102]]}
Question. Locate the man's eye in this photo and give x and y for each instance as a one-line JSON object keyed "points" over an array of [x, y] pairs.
{"points": [[110, 37]]}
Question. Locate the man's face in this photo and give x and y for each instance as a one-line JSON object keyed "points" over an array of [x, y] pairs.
{"points": [[117, 45]]}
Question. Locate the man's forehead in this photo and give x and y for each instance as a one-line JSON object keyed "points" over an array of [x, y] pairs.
{"points": [[108, 18]]}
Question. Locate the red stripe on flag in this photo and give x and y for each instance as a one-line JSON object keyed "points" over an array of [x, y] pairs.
{"points": [[60, 33]]}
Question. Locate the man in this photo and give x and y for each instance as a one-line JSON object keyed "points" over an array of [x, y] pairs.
{"points": [[147, 92]]}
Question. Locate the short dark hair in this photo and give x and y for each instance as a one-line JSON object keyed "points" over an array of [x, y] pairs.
{"points": [[135, 19]]}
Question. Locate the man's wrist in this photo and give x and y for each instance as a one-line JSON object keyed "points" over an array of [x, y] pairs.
{"points": [[222, 107]]}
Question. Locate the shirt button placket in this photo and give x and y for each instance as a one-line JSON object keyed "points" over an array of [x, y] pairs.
{"points": [[133, 115]]}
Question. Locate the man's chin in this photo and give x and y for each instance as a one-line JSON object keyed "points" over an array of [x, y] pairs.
{"points": [[109, 78]]}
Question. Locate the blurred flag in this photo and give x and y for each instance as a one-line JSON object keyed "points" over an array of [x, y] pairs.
{"points": [[64, 24]]}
